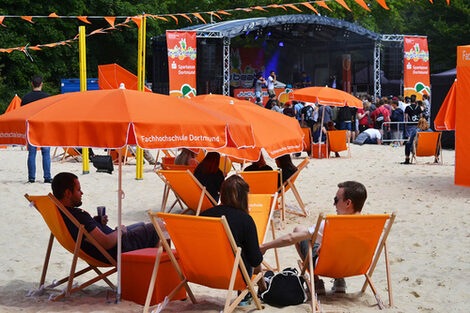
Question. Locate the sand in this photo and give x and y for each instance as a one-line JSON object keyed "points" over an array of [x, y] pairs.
{"points": [[429, 245]]}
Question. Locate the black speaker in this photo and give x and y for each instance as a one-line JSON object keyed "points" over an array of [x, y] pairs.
{"points": [[103, 163]]}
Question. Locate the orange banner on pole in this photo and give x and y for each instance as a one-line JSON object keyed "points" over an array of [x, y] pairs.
{"points": [[347, 73], [416, 57], [182, 63]]}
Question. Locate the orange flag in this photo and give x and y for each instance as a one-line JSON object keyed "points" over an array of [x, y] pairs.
{"points": [[383, 4], [83, 19], [1, 20], [277, 6], [243, 9], [259, 8], [362, 4], [53, 15], [159, 17], [199, 17], [137, 20], [28, 18], [110, 20], [343, 4], [98, 31], [174, 17], [213, 13], [223, 12], [187, 17], [35, 48], [323, 4], [293, 7], [308, 5]]}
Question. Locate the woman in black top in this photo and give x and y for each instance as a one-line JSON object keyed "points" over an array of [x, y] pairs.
{"points": [[234, 206], [209, 174], [286, 166]]}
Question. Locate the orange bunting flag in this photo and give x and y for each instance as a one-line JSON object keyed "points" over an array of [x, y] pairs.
{"points": [[110, 20], [362, 4], [159, 17], [137, 20], [431, 1], [28, 18], [223, 12], [343, 4], [243, 9], [175, 18], [213, 13], [1, 20], [83, 19], [97, 31], [308, 5], [323, 5], [186, 17], [53, 15], [277, 6], [383, 4], [293, 7], [50, 45], [34, 48], [199, 17], [259, 8]]}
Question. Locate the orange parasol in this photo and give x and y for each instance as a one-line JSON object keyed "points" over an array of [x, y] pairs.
{"points": [[276, 133], [445, 119], [110, 76], [118, 117], [326, 96], [14, 104]]}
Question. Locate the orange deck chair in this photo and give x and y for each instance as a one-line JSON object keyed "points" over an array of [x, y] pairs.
{"points": [[208, 256], [427, 144], [338, 140], [261, 208], [351, 246], [50, 209], [127, 153], [264, 182], [289, 185], [308, 139], [187, 189]]}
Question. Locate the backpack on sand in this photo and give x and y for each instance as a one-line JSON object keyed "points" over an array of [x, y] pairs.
{"points": [[284, 288]]}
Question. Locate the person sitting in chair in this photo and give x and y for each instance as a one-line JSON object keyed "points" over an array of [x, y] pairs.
{"points": [[349, 200], [259, 165], [209, 174], [66, 188], [423, 126]]}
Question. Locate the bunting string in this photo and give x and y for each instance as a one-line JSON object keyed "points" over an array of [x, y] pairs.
{"points": [[298, 6]]}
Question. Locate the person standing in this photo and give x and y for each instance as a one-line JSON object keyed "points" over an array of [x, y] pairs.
{"points": [[35, 95], [413, 113], [259, 83], [271, 82]]}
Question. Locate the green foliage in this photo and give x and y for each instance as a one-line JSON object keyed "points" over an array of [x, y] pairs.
{"points": [[445, 26]]}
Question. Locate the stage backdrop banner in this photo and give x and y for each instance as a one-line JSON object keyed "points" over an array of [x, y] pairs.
{"points": [[182, 63], [347, 73], [416, 56]]}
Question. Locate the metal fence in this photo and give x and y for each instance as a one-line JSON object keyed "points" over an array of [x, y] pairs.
{"points": [[395, 131]]}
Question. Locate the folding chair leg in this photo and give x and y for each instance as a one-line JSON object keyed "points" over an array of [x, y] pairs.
{"points": [[75, 259], [153, 278], [46, 260], [374, 291], [389, 279], [299, 200], [278, 268], [232, 282], [100, 274]]}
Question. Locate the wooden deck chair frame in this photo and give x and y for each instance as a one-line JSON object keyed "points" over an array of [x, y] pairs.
{"points": [[338, 134], [308, 271], [127, 153], [181, 199], [289, 184], [66, 240], [166, 153], [263, 221], [265, 182], [416, 146], [68, 152], [238, 266], [175, 167]]}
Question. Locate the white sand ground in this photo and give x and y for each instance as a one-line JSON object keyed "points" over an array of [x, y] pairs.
{"points": [[429, 244]]}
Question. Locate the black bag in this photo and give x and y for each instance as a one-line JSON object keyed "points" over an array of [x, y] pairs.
{"points": [[284, 288], [103, 163], [379, 121]]}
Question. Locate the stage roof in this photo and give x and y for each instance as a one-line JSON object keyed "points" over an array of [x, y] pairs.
{"points": [[236, 28]]}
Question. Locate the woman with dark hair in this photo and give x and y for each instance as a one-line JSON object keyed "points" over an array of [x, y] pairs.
{"points": [[234, 206], [259, 165], [209, 174], [286, 166]]}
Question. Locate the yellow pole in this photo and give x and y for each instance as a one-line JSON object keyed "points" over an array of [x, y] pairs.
{"points": [[141, 87], [83, 86]]}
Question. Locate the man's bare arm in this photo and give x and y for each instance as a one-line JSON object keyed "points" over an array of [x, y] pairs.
{"points": [[286, 240]]}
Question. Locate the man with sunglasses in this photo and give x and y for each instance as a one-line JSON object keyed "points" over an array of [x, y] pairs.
{"points": [[349, 200]]}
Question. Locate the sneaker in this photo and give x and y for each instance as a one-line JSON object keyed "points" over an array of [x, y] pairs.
{"points": [[247, 300], [48, 181], [339, 286], [406, 162], [320, 287], [30, 181]]}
